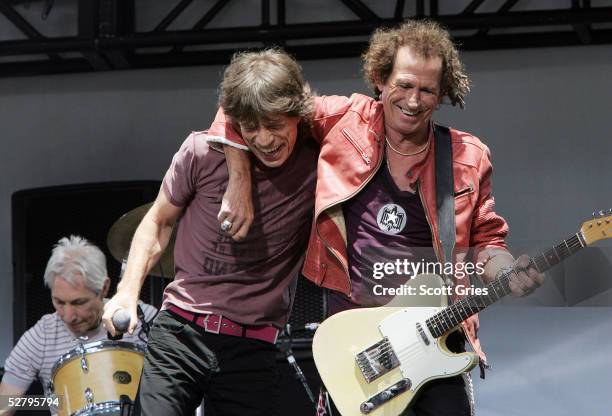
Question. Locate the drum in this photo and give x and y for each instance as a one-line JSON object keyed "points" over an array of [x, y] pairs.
{"points": [[93, 378]]}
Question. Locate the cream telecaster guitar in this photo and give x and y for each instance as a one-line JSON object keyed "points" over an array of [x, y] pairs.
{"points": [[374, 360]]}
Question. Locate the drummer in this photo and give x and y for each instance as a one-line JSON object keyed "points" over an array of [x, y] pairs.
{"points": [[76, 274]]}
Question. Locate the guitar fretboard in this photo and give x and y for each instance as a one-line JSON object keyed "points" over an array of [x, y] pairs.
{"points": [[450, 317]]}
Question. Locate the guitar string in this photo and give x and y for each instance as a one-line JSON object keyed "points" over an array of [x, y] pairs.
{"points": [[444, 316], [386, 354]]}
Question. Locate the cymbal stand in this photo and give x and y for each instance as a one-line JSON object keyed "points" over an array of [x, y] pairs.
{"points": [[285, 348]]}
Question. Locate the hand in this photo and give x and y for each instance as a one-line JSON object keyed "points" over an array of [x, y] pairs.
{"points": [[237, 213], [123, 299], [237, 208], [525, 279]]}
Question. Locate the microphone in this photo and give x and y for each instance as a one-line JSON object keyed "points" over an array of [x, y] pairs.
{"points": [[121, 320]]}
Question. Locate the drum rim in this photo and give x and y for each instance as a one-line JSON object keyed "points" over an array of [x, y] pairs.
{"points": [[107, 405], [93, 347]]}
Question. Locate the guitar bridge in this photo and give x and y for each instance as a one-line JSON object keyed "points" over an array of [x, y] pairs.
{"points": [[377, 360]]}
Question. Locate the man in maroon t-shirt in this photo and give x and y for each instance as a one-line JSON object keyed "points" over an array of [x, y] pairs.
{"points": [[215, 335]]}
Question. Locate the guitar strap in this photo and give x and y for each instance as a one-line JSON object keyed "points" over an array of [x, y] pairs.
{"points": [[445, 201], [445, 193]]}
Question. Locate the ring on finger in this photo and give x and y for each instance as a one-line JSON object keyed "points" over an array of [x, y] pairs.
{"points": [[226, 225]]}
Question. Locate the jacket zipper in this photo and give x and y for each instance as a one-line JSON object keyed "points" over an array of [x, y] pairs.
{"points": [[380, 159], [464, 191], [357, 146], [434, 238]]}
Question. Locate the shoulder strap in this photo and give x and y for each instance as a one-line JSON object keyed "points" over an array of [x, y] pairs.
{"points": [[445, 193]]}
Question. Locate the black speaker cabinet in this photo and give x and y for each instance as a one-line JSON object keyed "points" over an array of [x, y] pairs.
{"points": [[309, 307], [41, 216]]}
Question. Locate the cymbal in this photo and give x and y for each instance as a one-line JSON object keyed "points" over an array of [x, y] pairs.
{"points": [[119, 240]]}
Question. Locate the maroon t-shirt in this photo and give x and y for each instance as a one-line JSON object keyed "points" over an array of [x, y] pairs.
{"points": [[253, 281], [383, 224]]}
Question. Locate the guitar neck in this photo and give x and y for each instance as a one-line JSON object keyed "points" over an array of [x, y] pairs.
{"points": [[450, 317]]}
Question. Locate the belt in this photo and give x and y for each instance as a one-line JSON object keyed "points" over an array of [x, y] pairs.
{"points": [[218, 324]]}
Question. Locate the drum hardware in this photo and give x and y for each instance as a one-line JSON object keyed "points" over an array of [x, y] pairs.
{"points": [[285, 347], [111, 408], [81, 351], [89, 398], [126, 405]]}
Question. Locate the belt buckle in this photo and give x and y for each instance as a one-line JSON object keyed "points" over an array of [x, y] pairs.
{"points": [[218, 324]]}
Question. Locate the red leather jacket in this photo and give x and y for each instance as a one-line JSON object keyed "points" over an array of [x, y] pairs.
{"points": [[351, 132]]}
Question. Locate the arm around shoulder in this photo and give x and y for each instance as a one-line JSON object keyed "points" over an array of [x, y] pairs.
{"points": [[237, 203]]}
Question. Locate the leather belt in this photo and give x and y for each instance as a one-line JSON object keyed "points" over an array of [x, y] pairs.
{"points": [[218, 324]]}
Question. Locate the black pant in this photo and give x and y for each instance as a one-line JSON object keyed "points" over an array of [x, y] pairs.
{"points": [[183, 364], [444, 396]]}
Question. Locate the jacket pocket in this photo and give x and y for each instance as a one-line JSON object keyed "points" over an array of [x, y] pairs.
{"points": [[463, 197], [466, 190]]}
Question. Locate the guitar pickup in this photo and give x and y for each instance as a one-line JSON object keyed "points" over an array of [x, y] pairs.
{"points": [[422, 334], [384, 396], [377, 360]]}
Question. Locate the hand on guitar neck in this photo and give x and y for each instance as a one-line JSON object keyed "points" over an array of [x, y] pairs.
{"points": [[525, 278]]}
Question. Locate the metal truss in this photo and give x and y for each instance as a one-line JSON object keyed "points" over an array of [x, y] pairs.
{"points": [[106, 37]]}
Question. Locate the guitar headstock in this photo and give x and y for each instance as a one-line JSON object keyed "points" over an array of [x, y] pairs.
{"points": [[599, 228]]}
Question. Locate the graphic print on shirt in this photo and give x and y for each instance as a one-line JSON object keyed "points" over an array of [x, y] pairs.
{"points": [[391, 218]]}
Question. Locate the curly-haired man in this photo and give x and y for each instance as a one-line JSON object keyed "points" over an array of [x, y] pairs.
{"points": [[376, 186]]}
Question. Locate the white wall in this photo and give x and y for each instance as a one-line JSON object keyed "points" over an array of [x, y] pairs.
{"points": [[543, 112]]}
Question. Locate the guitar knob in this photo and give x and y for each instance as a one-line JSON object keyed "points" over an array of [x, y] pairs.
{"points": [[366, 407]]}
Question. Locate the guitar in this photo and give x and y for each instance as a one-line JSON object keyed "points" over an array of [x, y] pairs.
{"points": [[373, 361]]}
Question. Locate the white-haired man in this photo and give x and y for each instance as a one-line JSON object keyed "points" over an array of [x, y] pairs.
{"points": [[77, 277]]}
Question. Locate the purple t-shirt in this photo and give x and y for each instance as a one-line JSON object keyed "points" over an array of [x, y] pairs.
{"points": [[253, 281], [383, 224]]}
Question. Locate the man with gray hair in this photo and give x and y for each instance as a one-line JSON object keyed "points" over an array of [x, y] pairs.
{"points": [[215, 335], [77, 277]]}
